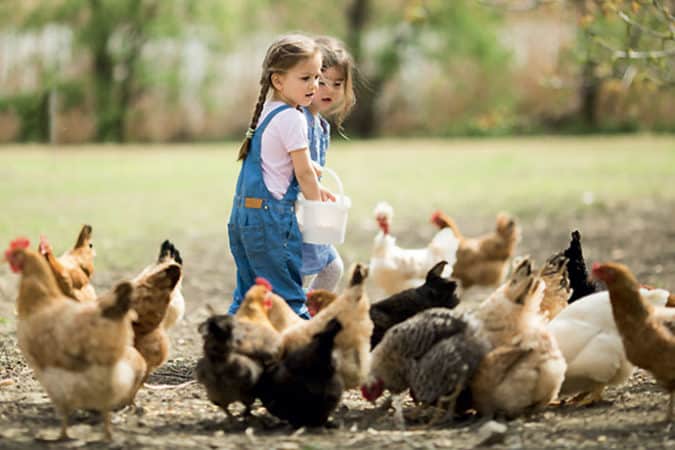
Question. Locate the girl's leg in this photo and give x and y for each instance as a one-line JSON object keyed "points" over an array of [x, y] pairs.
{"points": [[330, 276]]}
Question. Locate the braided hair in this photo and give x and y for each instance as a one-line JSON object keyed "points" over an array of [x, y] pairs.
{"points": [[282, 55]]}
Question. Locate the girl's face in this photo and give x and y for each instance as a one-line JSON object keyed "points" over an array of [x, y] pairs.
{"points": [[298, 85], [331, 90]]}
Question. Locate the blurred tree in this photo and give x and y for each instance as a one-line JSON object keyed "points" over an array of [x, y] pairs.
{"points": [[620, 42], [446, 32], [114, 32]]}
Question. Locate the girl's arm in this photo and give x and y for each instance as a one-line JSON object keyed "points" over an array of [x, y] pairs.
{"points": [[306, 175]]}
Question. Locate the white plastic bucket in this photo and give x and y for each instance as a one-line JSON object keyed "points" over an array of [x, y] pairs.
{"points": [[324, 222]]}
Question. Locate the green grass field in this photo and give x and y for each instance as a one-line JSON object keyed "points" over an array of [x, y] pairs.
{"points": [[134, 196]]}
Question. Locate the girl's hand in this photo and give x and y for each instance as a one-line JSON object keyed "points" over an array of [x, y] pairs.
{"points": [[326, 195]]}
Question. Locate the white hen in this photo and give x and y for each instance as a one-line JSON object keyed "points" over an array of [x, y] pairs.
{"points": [[394, 269], [591, 344]]}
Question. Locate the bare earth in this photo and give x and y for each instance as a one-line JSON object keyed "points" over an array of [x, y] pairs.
{"points": [[640, 235]]}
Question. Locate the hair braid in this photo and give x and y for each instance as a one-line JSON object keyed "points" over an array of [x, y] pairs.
{"points": [[264, 88]]}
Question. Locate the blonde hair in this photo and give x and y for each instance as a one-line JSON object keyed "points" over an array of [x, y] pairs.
{"points": [[334, 54], [282, 55]]}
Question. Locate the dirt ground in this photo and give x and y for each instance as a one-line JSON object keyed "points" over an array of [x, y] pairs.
{"points": [[641, 235]]}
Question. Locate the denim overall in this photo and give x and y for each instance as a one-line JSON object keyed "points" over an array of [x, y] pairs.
{"points": [[317, 256], [264, 236]]}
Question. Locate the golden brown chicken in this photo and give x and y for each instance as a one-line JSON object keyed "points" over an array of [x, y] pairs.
{"points": [[352, 344], [558, 290], [482, 260], [318, 299], [237, 349], [81, 353], [151, 300], [168, 253], [280, 314], [525, 369], [74, 269], [647, 331]]}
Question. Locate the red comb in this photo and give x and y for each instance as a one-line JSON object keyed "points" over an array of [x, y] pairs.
{"points": [[263, 282], [20, 242], [595, 266]]}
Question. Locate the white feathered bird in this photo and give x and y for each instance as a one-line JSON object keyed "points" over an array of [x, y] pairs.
{"points": [[591, 344], [394, 269]]}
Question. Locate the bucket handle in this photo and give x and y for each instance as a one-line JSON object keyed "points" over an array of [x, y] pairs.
{"points": [[332, 173]]}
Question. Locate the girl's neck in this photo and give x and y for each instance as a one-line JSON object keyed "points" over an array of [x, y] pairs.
{"points": [[280, 98], [313, 109]]}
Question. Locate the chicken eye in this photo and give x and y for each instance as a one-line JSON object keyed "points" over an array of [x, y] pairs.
{"points": [[91, 245]]}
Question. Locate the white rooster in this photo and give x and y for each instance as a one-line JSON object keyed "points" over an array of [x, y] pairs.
{"points": [[591, 344], [394, 269]]}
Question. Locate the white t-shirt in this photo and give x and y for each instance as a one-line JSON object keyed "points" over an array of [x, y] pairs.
{"points": [[285, 133]]}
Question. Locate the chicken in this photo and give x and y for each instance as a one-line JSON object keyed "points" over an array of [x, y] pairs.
{"points": [[74, 269], [280, 314], [646, 330], [434, 353], [304, 387], [592, 347], [154, 288], [580, 282], [525, 369], [482, 260], [318, 299], [394, 269], [557, 291], [176, 309], [237, 348], [435, 292], [352, 344], [81, 353], [504, 310]]}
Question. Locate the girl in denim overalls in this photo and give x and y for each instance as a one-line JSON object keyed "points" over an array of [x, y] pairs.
{"points": [[335, 98], [263, 230]]}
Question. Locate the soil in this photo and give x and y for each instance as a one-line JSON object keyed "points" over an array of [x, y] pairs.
{"points": [[632, 416]]}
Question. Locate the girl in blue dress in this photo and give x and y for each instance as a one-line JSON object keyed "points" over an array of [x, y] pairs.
{"points": [[334, 99]]}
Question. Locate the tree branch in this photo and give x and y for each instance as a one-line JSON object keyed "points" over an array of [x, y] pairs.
{"points": [[632, 54]]}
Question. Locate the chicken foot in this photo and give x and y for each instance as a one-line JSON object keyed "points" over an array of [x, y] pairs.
{"points": [[445, 408], [588, 398]]}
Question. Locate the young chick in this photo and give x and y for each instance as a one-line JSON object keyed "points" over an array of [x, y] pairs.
{"points": [[482, 260], [74, 269], [647, 332], [525, 369], [352, 344], [304, 387], [81, 353], [557, 291], [581, 283]]}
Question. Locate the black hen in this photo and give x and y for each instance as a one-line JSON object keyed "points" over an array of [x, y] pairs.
{"points": [[304, 387], [580, 281], [436, 292], [228, 374]]}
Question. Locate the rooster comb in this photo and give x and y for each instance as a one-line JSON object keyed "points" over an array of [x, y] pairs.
{"points": [[263, 282], [20, 242]]}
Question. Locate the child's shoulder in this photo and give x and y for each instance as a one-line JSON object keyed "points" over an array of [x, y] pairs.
{"points": [[288, 117]]}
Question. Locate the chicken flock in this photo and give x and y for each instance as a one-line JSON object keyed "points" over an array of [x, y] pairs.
{"points": [[544, 335]]}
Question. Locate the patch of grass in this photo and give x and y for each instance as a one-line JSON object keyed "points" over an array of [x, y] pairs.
{"points": [[136, 196]]}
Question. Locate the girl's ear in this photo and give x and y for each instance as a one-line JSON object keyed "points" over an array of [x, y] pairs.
{"points": [[277, 81]]}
